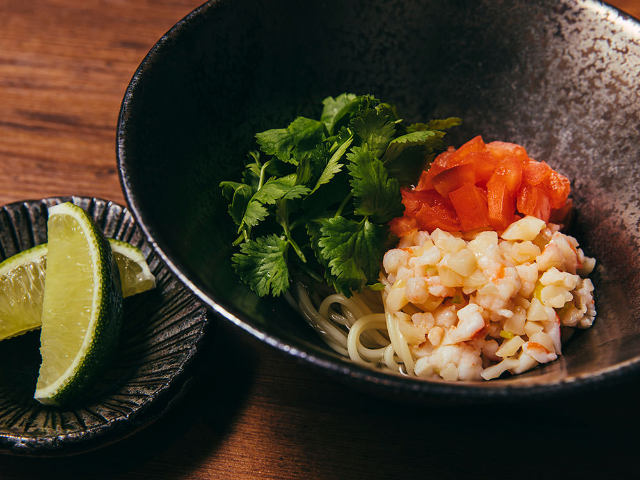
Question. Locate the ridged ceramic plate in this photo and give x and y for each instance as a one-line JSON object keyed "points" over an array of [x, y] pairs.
{"points": [[161, 333]]}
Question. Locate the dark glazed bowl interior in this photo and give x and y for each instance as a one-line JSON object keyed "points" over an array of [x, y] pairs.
{"points": [[559, 77]]}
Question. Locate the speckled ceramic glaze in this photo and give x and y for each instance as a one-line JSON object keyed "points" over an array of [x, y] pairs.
{"points": [[162, 329], [559, 77]]}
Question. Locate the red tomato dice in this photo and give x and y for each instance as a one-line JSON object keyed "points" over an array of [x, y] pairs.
{"points": [[484, 164], [470, 204], [502, 150], [433, 211], [401, 226], [534, 201], [510, 173], [454, 178], [557, 187], [501, 203], [536, 172], [426, 177], [459, 157]]}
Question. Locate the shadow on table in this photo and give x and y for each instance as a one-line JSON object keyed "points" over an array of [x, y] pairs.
{"points": [[354, 435], [191, 431]]}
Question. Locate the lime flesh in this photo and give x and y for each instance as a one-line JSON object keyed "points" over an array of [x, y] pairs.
{"points": [[21, 289], [135, 276]]}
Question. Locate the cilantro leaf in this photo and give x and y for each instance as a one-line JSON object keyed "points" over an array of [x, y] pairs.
{"points": [[376, 194], [338, 111], [253, 215], [405, 155], [273, 190], [288, 143], [437, 124], [335, 108], [239, 196], [262, 265], [353, 250], [375, 129], [251, 173], [255, 169], [431, 139], [312, 164], [314, 234], [333, 166]]}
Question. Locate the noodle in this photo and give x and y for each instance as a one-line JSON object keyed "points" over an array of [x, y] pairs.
{"points": [[361, 329]]}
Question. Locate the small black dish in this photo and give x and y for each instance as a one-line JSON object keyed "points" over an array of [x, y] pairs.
{"points": [[162, 330], [559, 77]]}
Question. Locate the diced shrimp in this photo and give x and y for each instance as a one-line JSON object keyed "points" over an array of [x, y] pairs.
{"points": [[476, 306], [445, 316], [525, 362], [437, 289], [435, 336], [423, 320], [558, 253], [553, 330], [470, 322], [498, 369], [489, 350], [417, 291], [394, 259], [528, 274], [538, 352]]}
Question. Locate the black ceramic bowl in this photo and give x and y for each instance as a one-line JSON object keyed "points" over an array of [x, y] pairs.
{"points": [[162, 330], [559, 77]]}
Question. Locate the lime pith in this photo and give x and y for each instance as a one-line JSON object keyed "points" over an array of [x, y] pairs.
{"points": [[82, 306]]}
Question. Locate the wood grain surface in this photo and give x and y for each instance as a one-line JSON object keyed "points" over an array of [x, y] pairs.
{"points": [[251, 412]]}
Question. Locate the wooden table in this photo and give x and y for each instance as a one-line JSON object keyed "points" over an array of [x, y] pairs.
{"points": [[252, 413]]}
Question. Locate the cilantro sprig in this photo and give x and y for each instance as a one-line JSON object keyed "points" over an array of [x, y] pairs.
{"points": [[317, 195]]}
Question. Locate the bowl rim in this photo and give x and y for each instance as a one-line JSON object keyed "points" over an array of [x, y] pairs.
{"points": [[344, 369]]}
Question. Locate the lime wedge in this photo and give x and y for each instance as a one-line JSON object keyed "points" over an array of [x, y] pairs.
{"points": [[81, 308], [22, 284], [21, 290], [135, 276]]}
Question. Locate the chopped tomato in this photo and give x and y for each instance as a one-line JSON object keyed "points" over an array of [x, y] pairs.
{"points": [[536, 172], [510, 172], [502, 150], [459, 157], [402, 226], [501, 203], [442, 160], [484, 185], [557, 186], [412, 200], [454, 178], [484, 164], [426, 177], [433, 211], [470, 204], [534, 201]]}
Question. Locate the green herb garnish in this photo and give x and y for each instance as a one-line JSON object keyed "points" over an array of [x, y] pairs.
{"points": [[318, 194]]}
